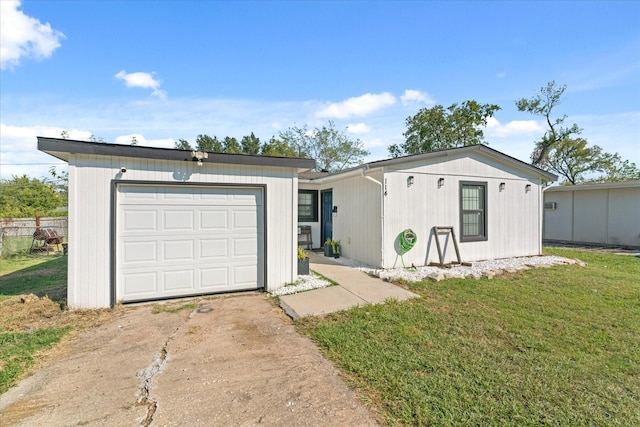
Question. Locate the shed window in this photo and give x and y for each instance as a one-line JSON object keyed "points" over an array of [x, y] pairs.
{"points": [[473, 215], [307, 205]]}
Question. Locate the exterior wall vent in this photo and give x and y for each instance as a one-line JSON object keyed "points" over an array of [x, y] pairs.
{"points": [[550, 206]]}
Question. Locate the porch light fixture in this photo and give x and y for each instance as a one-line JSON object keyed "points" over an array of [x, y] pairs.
{"points": [[410, 181], [440, 182], [197, 156], [527, 188], [502, 185]]}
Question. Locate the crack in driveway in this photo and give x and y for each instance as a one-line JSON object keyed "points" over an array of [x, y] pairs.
{"points": [[158, 364], [148, 375]]}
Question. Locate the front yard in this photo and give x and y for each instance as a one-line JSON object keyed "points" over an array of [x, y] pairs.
{"points": [[552, 346], [33, 315], [556, 346]]}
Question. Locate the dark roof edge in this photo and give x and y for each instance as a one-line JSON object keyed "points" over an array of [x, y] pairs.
{"points": [[446, 153], [458, 150], [57, 145]]}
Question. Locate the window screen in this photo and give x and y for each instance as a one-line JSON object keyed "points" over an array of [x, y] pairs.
{"points": [[307, 206], [473, 201]]}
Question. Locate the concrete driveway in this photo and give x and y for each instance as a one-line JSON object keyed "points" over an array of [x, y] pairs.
{"points": [[233, 361]]}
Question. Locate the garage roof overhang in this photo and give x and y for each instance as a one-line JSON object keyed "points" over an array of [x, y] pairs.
{"points": [[63, 148]]}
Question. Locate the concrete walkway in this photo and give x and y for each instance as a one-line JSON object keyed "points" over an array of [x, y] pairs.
{"points": [[355, 288]]}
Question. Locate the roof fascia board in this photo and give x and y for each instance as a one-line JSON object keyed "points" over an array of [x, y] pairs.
{"points": [[595, 186], [483, 149], [61, 147]]}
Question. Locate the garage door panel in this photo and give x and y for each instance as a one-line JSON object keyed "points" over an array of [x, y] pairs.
{"points": [[137, 194], [214, 220], [219, 198], [140, 220], [244, 199], [214, 248], [176, 193], [245, 248], [245, 275], [178, 250], [178, 280], [140, 285], [245, 219], [170, 245], [212, 279], [178, 220], [140, 251]]}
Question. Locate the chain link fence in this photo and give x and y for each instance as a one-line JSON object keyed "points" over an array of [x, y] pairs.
{"points": [[17, 235]]}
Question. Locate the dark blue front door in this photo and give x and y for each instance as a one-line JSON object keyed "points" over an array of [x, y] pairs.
{"points": [[326, 216]]}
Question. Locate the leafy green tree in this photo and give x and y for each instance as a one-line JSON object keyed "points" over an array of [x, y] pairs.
{"points": [[183, 144], [572, 159], [231, 145], [250, 144], [439, 128], [209, 144], [542, 104], [578, 163], [60, 182], [617, 169], [332, 149], [277, 148], [99, 139], [22, 197]]}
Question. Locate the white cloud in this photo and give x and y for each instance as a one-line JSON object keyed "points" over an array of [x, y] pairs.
{"points": [[412, 97], [22, 36], [144, 142], [376, 143], [358, 128], [143, 80], [19, 150], [358, 106], [501, 75], [514, 127]]}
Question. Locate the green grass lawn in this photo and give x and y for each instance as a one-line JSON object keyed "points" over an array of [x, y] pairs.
{"points": [[17, 350], [37, 274], [44, 275], [557, 346]]}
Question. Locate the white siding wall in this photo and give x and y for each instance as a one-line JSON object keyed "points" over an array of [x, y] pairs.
{"points": [[90, 216], [609, 216], [624, 217], [558, 223], [357, 224], [513, 215]]}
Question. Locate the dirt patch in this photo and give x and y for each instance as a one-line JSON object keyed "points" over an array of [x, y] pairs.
{"points": [[28, 312], [233, 360]]}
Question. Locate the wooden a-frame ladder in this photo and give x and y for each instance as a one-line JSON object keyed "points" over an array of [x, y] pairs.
{"points": [[436, 231]]}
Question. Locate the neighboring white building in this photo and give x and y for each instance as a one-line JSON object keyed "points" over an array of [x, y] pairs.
{"points": [[150, 223], [604, 214], [493, 201]]}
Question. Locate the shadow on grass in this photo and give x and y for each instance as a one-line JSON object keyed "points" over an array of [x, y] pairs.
{"points": [[47, 278]]}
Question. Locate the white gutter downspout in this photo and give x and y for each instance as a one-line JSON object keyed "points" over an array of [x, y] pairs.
{"points": [[363, 170], [542, 215]]}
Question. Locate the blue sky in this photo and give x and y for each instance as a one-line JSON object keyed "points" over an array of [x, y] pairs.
{"points": [[166, 70]]}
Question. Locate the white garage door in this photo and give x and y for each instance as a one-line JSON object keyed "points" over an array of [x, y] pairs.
{"points": [[184, 240]]}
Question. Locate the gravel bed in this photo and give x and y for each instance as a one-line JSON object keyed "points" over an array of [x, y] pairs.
{"points": [[304, 283], [489, 269], [478, 269]]}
